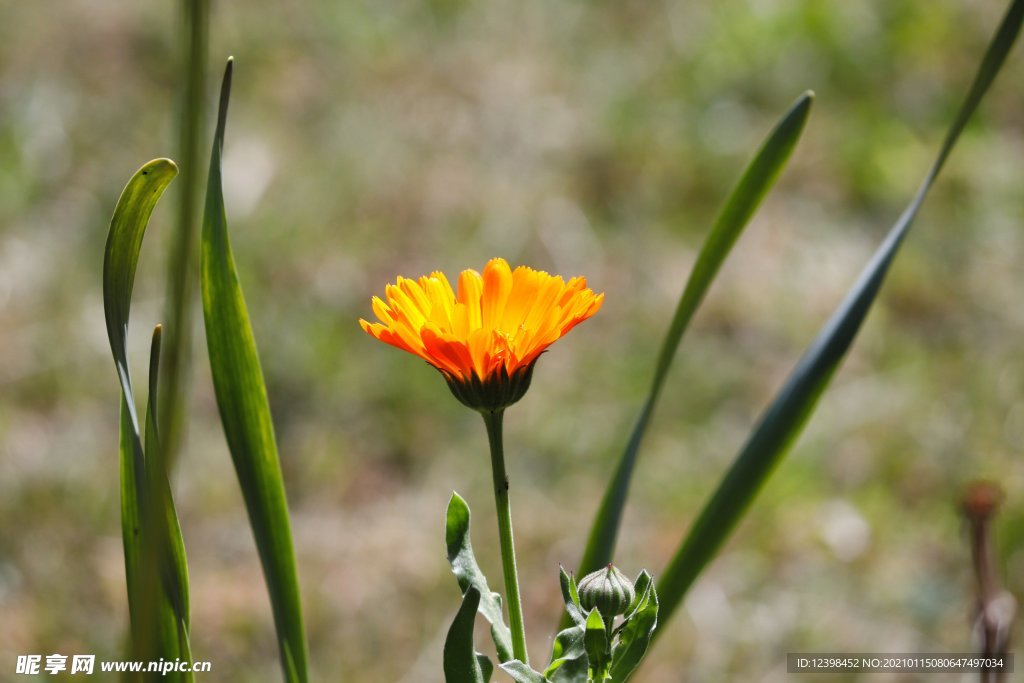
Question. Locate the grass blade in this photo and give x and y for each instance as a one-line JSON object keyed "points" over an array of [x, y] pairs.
{"points": [[120, 259], [788, 412], [757, 179], [180, 303], [245, 413], [164, 567], [132, 467], [155, 567]]}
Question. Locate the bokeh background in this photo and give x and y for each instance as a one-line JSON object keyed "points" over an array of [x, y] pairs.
{"points": [[370, 139]]}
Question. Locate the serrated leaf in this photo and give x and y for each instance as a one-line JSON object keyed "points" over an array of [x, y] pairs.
{"points": [[780, 424], [468, 573], [245, 412], [757, 179], [460, 658]]}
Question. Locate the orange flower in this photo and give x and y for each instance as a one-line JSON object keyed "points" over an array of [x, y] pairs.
{"points": [[485, 339]]}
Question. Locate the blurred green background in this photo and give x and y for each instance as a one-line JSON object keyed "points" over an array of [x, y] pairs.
{"points": [[370, 139]]}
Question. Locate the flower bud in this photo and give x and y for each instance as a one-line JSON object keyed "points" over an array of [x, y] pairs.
{"points": [[608, 590]]}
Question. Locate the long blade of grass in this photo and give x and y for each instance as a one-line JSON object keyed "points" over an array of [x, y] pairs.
{"points": [[155, 570], [245, 412], [181, 274], [788, 412], [131, 519], [120, 259], [164, 568], [757, 179], [174, 569]]}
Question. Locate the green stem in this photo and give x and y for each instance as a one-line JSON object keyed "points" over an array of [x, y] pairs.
{"points": [[493, 421], [175, 373]]}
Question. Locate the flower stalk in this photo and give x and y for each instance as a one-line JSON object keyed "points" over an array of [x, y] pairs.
{"points": [[493, 421]]}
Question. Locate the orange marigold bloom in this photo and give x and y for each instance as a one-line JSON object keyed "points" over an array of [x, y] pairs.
{"points": [[486, 338]]}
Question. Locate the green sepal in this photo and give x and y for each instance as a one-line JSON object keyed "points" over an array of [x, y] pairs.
{"points": [[461, 663], [635, 634], [469, 574], [496, 393]]}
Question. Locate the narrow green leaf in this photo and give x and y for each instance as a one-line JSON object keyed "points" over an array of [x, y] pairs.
{"points": [[245, 412], [635, 637], [571, 597], [641, 587], [522, 673], [131, 520], [469, 574], [165, 530], [595, 642], [154, 552], [782, 421], [183, 257], [757, 179], [486, 667], [460, 662], [120, 259]]}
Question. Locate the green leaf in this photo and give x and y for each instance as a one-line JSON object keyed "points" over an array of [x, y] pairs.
{"points": [[595, 642], [571, 664], [568, 643], [733, 218], [120, 259], [522, 673], [782, 421], [131, 519], [169, 546], [157, 579], [641, 587], [460, 659], [469, 574], [486, 668], [571, 596], [245, 412], [635, 636], [568, 657]]}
